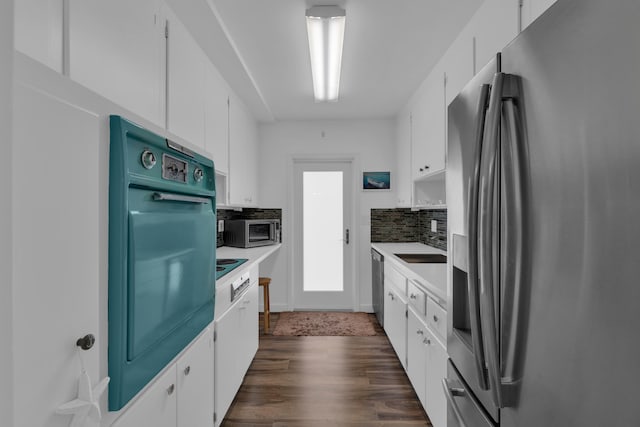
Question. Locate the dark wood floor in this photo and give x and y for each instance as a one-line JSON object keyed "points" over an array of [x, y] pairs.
{"points": [[325, 381]]}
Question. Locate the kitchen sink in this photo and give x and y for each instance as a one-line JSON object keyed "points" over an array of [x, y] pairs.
{"points": [[423, 258]]}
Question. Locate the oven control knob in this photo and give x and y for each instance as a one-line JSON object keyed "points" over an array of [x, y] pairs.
{"points": [[198, 174], [148, 159]]}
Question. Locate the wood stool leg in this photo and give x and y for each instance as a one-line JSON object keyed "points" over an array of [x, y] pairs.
{"points": [[266, 309]]}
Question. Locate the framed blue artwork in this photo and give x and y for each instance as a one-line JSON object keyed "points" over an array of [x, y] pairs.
{"points": [[376, 181]]}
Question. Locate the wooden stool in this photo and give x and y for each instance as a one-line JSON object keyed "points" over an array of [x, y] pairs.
{"points": [[264, 281]]}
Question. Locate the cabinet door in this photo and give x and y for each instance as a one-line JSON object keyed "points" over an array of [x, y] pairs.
{"points": [[395, 322], [227, 350], [435, 401], [494, 26], [419, 131], [416, 354], [428, 120], [56, 145], [403, 176], [185, 83], [120, 55], [195, 383], [249, 327], [156, 406], [38, 30], [458, 65], [242, 155], [216, 122]]}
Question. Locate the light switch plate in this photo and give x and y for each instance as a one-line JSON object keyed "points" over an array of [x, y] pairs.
{"points": [[220, 225], [434, 226]]}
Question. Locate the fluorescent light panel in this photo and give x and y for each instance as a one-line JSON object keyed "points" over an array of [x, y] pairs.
{"points": [[325, 29]]}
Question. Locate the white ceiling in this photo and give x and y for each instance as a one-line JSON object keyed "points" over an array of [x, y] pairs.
{"points": [[261, 48]]}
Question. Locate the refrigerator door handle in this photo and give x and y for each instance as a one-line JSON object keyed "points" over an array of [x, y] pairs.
{"points": [[449, 392], [489, 190], [472, 225], [513, 250]]}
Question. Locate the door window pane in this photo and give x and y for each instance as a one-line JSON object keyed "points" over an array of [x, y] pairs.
{"points": [[322, 231]]}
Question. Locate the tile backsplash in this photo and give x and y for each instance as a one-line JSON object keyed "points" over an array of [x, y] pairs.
{"points": [[405, 225], [248, 213]]}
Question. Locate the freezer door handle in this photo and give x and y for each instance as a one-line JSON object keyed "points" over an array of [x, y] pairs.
{"points": [[472, 224], [488, 237], [451, 393]]}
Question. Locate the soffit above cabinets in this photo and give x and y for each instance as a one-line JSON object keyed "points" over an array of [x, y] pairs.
{"points": [[261, 49]]}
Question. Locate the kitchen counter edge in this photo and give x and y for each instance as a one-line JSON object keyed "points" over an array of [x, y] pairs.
{"points": [[253, 256], [434, 285]]}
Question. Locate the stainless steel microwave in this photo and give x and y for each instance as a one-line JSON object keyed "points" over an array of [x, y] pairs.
{"points": [[248, 233]]}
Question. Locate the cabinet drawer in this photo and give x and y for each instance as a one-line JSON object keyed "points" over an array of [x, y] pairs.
{"points": [[395, 279], [437, 319], [417, 298]]}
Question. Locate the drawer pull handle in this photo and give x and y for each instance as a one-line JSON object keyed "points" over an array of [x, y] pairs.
{"points": [[435, 318], [171, 388], [187, 370], [419, 332], [426, 341], [413, 296]]}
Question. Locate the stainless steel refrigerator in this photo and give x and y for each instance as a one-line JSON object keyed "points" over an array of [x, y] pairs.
{"points": [[543, 195]]}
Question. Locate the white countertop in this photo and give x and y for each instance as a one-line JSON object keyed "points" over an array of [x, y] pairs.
{"points": [[432, 277], [253, 255]]}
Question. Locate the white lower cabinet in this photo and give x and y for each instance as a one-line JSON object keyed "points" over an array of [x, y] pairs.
{"points": [[426, 367], [436, 369], [417, 354], [395, 320], [416, 327], [195, 384], [182, 396], [236, 345]]}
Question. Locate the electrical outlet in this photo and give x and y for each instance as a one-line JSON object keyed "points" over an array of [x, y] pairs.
{"points": [[220, 225], [434, 226]]}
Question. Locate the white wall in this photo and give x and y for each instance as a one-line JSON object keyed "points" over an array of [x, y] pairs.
{"points": [[6, 259], [370, 142]]}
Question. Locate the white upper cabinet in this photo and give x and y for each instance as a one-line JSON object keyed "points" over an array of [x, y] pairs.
{"points": [[120, 55], [243, 158], [493, 26], [216, 121], [427, 134], [458, 64], [403, 174], [185, 83], [38, 30]]}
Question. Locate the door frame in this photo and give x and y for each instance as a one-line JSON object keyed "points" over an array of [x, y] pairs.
{"points": [[354, 233]]}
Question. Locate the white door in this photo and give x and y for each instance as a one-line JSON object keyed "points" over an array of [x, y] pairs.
{"points": [[323, 237]]}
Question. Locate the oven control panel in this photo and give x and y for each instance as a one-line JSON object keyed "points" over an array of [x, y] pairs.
{"points": [[174, 169]]}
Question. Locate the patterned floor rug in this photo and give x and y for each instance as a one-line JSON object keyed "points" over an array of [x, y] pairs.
{"points": [[325, 323]]}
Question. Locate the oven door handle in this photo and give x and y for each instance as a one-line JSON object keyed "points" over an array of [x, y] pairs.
{"points": [[159, 197]]}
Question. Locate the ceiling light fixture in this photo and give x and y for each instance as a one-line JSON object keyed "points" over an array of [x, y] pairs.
{"points": [[325, 28]]}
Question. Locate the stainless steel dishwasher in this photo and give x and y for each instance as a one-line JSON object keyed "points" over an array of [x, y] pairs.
{"points": [[377, 283]]}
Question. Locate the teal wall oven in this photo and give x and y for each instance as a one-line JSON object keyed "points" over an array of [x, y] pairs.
{"points": [[162, 240]]}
